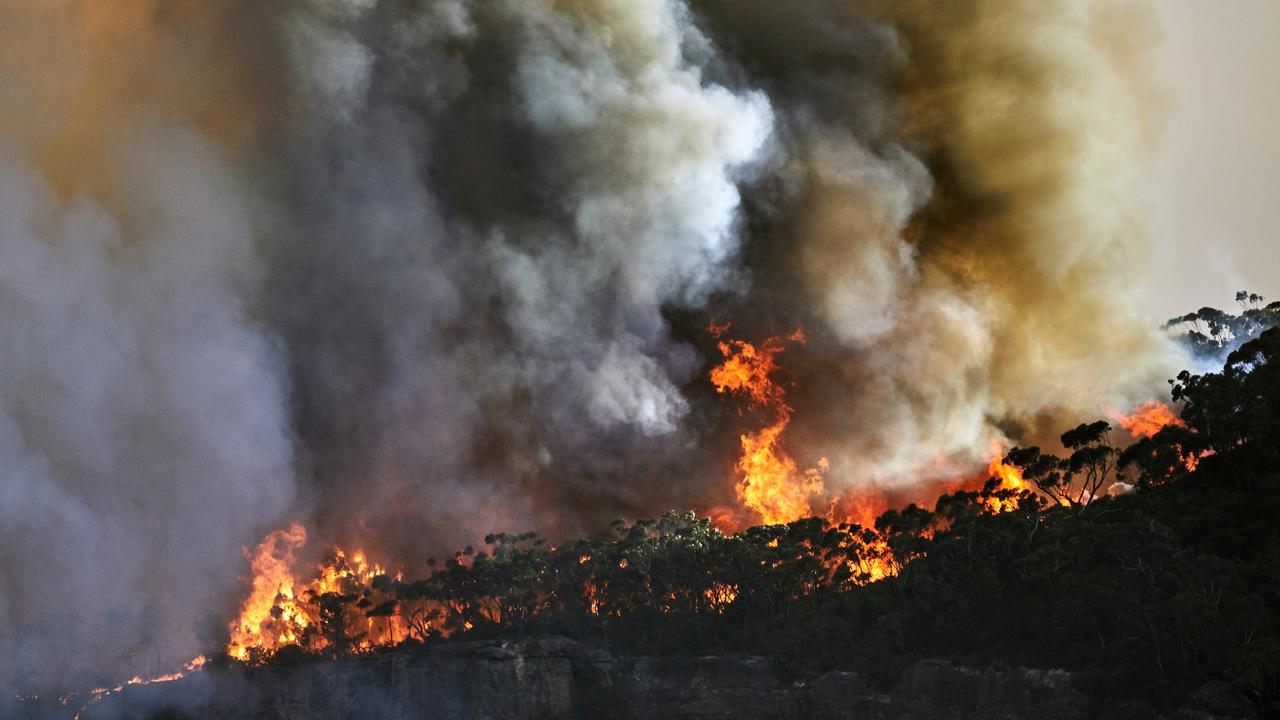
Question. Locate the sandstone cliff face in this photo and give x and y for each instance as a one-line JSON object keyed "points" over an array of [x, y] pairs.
{"points": [[556, 679]]}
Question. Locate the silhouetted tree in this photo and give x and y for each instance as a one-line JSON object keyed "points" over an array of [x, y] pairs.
{"points": [[1210, 332]]}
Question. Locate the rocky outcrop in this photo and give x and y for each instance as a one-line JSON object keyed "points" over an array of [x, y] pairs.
{"points": [[556, 679], [930, 686]]}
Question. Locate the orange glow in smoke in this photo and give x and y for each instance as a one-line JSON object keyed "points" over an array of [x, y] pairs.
{"points": [[859, 508], [1152, 417], [1149, 419]]}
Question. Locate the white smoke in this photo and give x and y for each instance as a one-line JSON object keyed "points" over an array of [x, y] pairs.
{"points": [[142, 417]]}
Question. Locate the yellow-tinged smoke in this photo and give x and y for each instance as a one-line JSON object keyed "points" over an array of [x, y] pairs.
{"points": [[143, 421], [966, 212], [80, 75], [1035, 119]]}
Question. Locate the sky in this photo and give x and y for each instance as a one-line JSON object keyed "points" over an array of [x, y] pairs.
{"points": [[1217, 170]]}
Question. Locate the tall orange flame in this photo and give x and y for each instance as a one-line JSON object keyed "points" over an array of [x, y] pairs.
{"points": [[283, 610], [271, 616], [772, 484]]}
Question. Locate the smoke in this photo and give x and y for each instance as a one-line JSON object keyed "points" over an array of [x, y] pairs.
{"points": [[411, 271], [486, 210], [142, 422], [964, 220], [143, 425]]}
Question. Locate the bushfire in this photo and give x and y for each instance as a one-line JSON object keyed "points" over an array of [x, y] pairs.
{"points": [[771, 484], [348, 605], [283, 610], [97, 694]]}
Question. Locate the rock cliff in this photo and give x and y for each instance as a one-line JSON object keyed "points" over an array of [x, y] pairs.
{"points": [[557, 679]]}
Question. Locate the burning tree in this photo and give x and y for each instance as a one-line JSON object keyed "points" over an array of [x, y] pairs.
{"points": [[1077, 480]]}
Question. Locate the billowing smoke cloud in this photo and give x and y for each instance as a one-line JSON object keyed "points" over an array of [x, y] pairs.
{"points": [[963, 220], [487, 209], [410, 271], [144, 433]]}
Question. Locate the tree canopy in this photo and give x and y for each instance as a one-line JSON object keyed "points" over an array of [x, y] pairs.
{"points": [[1153, 591]]}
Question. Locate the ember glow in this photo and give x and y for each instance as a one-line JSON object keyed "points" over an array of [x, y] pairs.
{"points": [[720, 596], [97, 694], [772, 485]]}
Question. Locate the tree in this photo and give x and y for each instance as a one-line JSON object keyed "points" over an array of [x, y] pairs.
{"points": [[1077, 480], [332, 610], [1210, 333], [1237, 409]]}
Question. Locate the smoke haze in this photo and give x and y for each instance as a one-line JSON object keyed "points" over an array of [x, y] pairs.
{"points": [[410, 271], [1213, 210]]}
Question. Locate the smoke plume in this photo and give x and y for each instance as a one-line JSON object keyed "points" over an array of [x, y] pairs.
{"points": [[409, 271]]}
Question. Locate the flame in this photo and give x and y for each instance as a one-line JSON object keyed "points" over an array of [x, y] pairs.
{"points": [[1149, 419], [591, 594], [194, 665], [271, 616], [875, 563], [1010, 478], [774, 487], [97, 694], [772, 484], [281, 610]]}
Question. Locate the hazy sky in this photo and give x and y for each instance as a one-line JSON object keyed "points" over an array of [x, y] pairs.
{"points": [[1217, 211]]}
